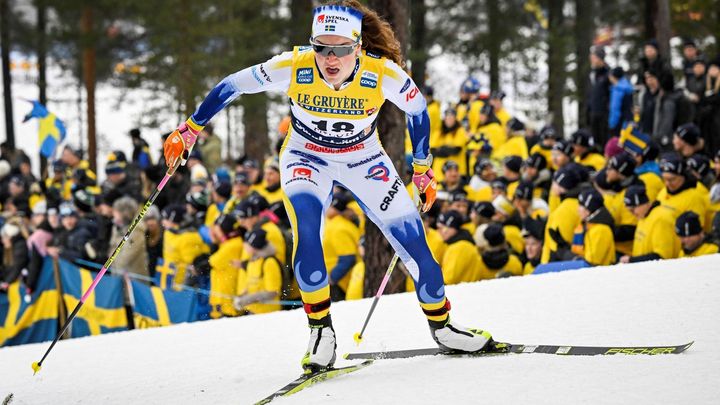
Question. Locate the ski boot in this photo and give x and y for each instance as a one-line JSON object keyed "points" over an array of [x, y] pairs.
{"points": [[454, 338], [320, 353]]}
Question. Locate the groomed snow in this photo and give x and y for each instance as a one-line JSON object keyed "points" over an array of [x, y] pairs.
{"points": [[244, 359]]}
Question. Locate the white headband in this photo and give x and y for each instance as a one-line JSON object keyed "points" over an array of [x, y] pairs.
{"points": [[337, 20]]}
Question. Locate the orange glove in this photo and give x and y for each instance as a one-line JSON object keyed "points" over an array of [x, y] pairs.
{"points": [[180, 143], [424, 179]]}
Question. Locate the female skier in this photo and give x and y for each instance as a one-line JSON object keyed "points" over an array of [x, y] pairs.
{"points": [[336, 87]]}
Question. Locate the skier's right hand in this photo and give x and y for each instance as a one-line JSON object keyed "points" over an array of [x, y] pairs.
{"points": [[424, 179], [180, 142]]}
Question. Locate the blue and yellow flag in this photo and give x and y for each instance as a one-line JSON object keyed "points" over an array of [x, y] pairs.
{"points": [[158, 307], [30, 320], [51, 130], [104, 309]]}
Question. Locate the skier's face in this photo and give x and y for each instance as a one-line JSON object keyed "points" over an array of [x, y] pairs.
{"points": [[336, 69]]}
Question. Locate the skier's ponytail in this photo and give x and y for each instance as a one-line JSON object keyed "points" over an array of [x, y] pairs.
{"points": [[377, 34]]}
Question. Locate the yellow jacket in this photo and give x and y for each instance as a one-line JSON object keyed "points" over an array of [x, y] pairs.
{"points": [[656, 234], [461, 262], [515, 146], [653, 184], [594, 160], [271, 196], [599, 245], [513, 235], [704, 249], [225, 277], [264, 274], [275, 238], [357, 282], [180, 248], [565, 218], [545, 152], [341, 238], [615, 203], [690, 199]]}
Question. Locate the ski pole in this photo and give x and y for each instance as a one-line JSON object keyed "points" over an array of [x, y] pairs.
{"points": [[37, 365], [359, 335]]}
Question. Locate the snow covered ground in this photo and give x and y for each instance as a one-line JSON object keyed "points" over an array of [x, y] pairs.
{"points": [[244, 359]]}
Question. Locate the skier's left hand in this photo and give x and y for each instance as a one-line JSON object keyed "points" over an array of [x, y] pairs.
{"points": [[424, 179], [180, 142]]}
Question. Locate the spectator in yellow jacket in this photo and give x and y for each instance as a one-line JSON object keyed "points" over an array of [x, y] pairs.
{"points": [[240, 191], [461, 262], [680, 193], [692, 237], [496, 101], [564, 218], [654, 235], [507, 216], [181, 245], [645, 152], [270, 188], [264, 276], [584, 150], [221, 193], [449, 144], [226, 276], [248, 213], [593, 240], [535, 169], [533, 233], [548, 137], [481, 182], [620, 174], [516, 144], [340, 244], [699, 167], [496, 259]]}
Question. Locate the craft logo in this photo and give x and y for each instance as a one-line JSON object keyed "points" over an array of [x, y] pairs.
{"points": [[334, 151], [379, 172], [364, 161], [302, 172], [368, 79], [330, 104], [256, 76], [308, 156], [411, 95], [264, 73], [391, 194], [405, 86], [321, 18], [304, 76]]}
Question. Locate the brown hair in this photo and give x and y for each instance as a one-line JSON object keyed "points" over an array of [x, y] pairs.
{"points": [[377, 34]]}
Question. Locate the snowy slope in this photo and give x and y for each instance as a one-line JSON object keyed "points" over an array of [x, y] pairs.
{"points": [[242, 360]]}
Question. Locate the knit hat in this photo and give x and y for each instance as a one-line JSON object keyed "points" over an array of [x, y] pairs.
{"points": [[591, 199], [198, 200], [257, 238], [117, 155], [689, 133], [612, 147], [516, 125], [672, 163], [514, 163], [84, 200], [340, 201], [564, 146], [494, 234], [223, 189], [272, 163], [40, 208], [451, 219], [449, 164], [484, 209], [653, 42], [251, 164], [497, 94], [241, 177], [536, 160], [115, 167], [228, 224], [548, 131], [623, 163], [481, 164], [583, 137], [617, 72], [67, 209], [533, 227], [458, 195], [258, 201], [524, 190], [174, 213], [688, 224], [246, 209], [567, 178], [635, 195], [700, 164], [503, 205], [500, 184], [337, 20]]}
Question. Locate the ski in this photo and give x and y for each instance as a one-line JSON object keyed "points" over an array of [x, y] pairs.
{"points": [[313, 378], [509, 348]]}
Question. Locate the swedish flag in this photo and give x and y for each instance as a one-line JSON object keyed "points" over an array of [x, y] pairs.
{"points": [[157, 307], [30, 321], [51, 130], [103, 310]]}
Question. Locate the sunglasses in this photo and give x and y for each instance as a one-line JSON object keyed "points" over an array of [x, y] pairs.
{"points": [[337, 50]]}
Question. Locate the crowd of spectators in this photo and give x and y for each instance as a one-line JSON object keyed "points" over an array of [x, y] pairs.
{"points": [[639, 180]]}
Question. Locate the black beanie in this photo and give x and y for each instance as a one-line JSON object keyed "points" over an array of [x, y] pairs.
{"points": [[524, 190], [635, 195], [688, 224], [591, 199], [484, 208], [564, 146], [689, 133], [451, 219], [257, 238], [514, 163], [536, 160], [567, 178], [700, 164], [494, 234], [624, 163], [672, 163], [583, 137]]}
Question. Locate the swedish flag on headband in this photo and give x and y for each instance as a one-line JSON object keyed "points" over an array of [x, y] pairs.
{"points": [[158, 307], [51, 130], [103, 310], [30, 320]]}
